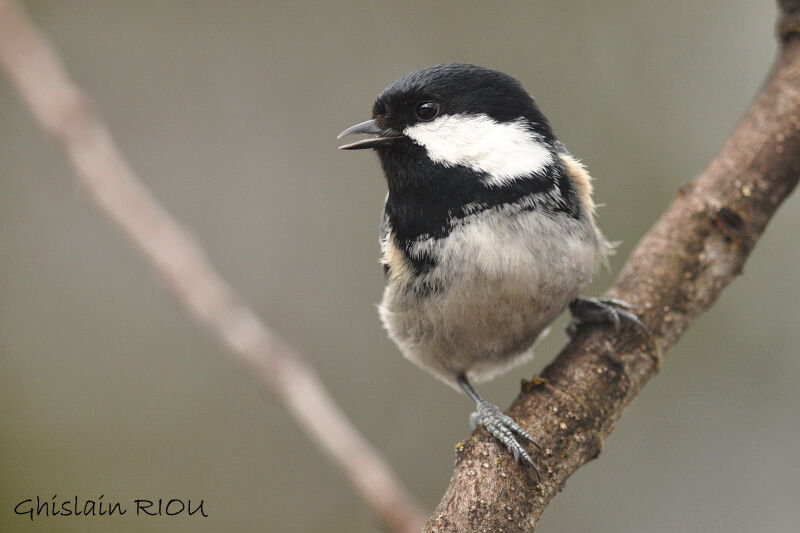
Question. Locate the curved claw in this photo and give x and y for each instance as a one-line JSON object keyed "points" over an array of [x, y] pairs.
{"points": [[602, 310], [503, 427], [615, 302], [633, 318], [607, 310], [519, 430]]}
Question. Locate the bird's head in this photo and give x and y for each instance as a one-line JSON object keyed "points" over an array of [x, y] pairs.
{"points": [[457, 116]]}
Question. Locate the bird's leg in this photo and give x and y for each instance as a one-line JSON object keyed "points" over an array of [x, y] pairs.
{"points": [[500, 426], [601, 311]]}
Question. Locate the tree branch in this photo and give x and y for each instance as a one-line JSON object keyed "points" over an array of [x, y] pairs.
{"points": [[64, 111], [675, 273]]}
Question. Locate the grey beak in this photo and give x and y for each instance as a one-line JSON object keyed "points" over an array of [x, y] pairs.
{"points": [[368, 126], [383, 137]]}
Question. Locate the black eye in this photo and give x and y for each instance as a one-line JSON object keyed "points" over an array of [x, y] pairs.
{"points": [[427, 110]]}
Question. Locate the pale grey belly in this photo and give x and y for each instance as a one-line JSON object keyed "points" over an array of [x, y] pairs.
{"points": [[479, 327], [502, 284]]}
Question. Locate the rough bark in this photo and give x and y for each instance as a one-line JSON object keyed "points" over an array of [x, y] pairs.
{"points": [[676, 272]]}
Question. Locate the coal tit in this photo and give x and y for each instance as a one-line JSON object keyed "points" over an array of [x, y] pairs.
{"points": [[487, 233]]}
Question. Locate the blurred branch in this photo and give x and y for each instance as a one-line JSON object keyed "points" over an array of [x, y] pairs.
{"points": [[64, 112], [675, 273]]}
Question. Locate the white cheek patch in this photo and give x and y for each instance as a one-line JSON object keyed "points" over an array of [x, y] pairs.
{"points": [[504, 151]]}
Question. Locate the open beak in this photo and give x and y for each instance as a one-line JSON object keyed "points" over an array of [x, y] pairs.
{"points": [[382, 137]]}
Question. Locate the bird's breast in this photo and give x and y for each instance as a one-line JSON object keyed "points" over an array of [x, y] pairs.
{"points": [[498, 281], [533, 247]]}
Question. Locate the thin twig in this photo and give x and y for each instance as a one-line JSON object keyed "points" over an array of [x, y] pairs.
{"points": [[63, 111], [675, 273]]}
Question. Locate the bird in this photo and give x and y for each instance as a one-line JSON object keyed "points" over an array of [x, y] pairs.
{"points": [[487, 233]]}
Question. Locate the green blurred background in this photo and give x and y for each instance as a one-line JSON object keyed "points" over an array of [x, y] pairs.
{"points": [[229, 111]]}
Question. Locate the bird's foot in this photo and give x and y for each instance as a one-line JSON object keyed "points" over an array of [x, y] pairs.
{"points": [[503, 428], [601, 311]]}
